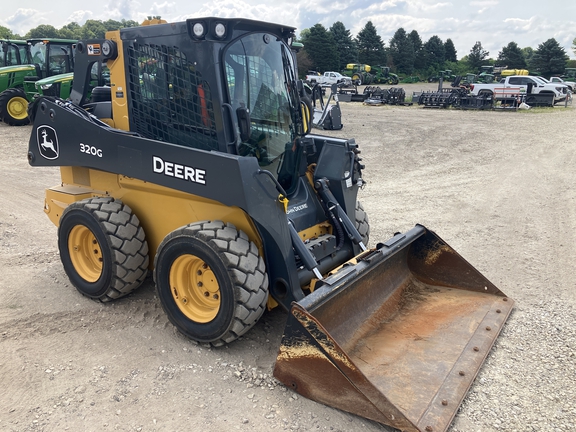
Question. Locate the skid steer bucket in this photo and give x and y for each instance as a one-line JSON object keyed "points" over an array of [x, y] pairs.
{"points": [[398, 336]]}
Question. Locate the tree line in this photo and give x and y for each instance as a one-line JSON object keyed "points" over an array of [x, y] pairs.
{"points": [[407, 54], [332, 49], [91, 29]]}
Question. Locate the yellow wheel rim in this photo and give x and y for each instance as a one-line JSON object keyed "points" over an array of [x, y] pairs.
{"points": [[85, 253], [17, 108], [194, 288]]}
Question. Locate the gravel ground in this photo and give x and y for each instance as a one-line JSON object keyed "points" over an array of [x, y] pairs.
{"points": [[497, 186]]}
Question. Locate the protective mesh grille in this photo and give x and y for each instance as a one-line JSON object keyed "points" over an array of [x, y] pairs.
{"points": [[169, 100]]}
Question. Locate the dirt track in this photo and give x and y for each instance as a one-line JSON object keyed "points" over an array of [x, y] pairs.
{"points": [[497, 186]]}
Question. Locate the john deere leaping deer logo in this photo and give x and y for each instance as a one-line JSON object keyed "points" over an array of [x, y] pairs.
{"points": [[47, 142]]}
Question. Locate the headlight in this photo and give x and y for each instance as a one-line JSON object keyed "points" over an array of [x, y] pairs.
{"points": [[45, 86], [198, 30], [220, 30]]}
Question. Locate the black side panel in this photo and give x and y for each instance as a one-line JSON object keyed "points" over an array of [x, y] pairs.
{"points": [[65, 135]]}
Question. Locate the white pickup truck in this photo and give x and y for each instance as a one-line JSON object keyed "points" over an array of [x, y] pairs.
{"points": [[518, 85], [329, 78], [559, 80]]}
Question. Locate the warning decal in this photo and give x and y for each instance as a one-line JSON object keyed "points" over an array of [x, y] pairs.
{"points": [[94, 49]]}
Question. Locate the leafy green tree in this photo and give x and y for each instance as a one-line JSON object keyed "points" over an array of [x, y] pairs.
{"points": [[6, 33], [478, 56], [512, 57], [116, 25], [435, 54], [43, 31], [450, 51], [528, 53], [71, 30], [93, 29], [320, 46], [550, 58], [402, 51], [370, 46], [344, 44], [574, 46]]}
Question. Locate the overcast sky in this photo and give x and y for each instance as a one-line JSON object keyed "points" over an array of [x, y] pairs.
{"points": [[494, 23]]}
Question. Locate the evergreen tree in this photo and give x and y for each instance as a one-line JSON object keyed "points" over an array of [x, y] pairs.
{"points": [[419, 54], [550, 58], [574, 46], [477, 57], [434, 53], [512, 57], [450, 51], [370, 46], [402, 51], [344, 44], [320, 47]]}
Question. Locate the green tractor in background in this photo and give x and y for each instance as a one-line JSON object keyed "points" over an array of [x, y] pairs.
{"points": [[360, 73], [43, 58], [382, 75], [445, 75], [13, 52], [363, 74], [60, 86]]}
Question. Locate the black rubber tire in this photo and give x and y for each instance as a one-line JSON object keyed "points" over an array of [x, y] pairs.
{"points": [[238, 268], [5, 97], [121, 239], [362, 223]]}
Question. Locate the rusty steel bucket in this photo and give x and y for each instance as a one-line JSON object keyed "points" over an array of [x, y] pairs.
{"points": [[397, 337]]}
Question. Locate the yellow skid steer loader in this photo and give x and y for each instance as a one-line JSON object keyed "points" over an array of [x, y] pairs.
{"points": [[197, 164]]}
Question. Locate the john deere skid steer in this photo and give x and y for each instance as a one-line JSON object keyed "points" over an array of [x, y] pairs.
{"points": [[197, 164]]}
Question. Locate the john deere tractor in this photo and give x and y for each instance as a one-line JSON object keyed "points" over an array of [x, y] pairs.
{"points": [[197, 164], [360, 73], [44, 58], [13, 52], [382, 75]]}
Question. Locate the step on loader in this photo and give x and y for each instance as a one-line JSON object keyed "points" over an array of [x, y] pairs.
{"points": [[197, 164]]}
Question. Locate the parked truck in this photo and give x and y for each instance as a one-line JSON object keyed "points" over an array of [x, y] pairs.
{"points": [[559, 80], [329, 78], [519, 85]]}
